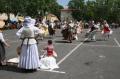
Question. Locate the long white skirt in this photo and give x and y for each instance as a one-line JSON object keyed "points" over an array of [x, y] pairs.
{"points": [[29, 58], [48, 63]]}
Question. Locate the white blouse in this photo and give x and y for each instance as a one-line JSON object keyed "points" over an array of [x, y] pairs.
{"points": [[34, 31], [1, 37]]}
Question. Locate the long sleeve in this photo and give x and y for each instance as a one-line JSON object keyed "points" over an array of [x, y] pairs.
{"points": [[28, 32], [19, 32], [36, 30]]}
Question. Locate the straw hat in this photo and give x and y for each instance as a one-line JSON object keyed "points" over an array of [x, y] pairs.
{"points": [[20, 18], [2, 23]]}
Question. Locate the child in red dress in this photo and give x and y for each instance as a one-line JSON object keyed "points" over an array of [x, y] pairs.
{"points": [[48, 60]]}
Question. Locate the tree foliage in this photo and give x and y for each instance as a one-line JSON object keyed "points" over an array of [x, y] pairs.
{"points": [[96, 9], [92, 9], [30, 7], [77, 6]]}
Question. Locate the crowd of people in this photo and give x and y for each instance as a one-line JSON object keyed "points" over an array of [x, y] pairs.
{"points": [[28, 54]]}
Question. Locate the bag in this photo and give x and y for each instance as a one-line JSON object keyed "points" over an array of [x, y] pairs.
{"points": [[18, 50]]}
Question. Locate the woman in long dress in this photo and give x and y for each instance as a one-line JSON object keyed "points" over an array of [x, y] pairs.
{"points": [[106, 30], [48, 60], [29, 57], [2, 44]]}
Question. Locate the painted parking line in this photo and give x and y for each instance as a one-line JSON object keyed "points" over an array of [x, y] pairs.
{"points": [[117, 42], [51, 70], [64, 58]]}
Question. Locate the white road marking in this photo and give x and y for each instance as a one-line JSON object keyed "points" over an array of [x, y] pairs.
{"points": [[64, 58], [117, 42], [102, 56], [100, 45], [52, 71]]}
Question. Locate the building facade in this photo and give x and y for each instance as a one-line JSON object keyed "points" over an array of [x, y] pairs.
{"points": [[66, 14]]}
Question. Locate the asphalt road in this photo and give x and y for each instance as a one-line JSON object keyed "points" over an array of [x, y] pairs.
{"points": [[78, 60]]}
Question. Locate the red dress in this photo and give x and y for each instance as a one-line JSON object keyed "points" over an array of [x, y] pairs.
{"points": [[50, 50], [106, 29], [49, 62]]}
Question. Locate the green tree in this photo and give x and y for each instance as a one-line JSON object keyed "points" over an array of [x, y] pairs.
{"points": [[30, 7], [77, 6], [108, 9], [89, 10]]}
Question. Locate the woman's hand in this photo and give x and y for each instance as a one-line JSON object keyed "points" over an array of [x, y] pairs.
{"points": [[6, 44]]}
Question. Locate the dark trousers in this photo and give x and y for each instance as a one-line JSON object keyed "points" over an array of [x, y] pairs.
{"points": [[2, 51]]}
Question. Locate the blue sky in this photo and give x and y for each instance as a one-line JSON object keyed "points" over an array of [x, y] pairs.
{"points": [[63, 2]]}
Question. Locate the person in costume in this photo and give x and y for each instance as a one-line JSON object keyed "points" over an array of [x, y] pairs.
{"points": [[92, 31], [42, 30], [64, 30], [76, 30], [48, 60], [2, 44], [106, 30], [45, 26], [51, 28], [71, 29], [80, 27], [29, 57]]}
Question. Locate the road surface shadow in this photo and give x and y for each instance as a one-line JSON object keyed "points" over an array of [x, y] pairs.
{"points": [[14, 68], [62, 41], [58, 36], [89, 41], [88, 63]]}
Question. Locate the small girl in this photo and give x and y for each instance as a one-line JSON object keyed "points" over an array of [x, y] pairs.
{"points": [[48, 61]]}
